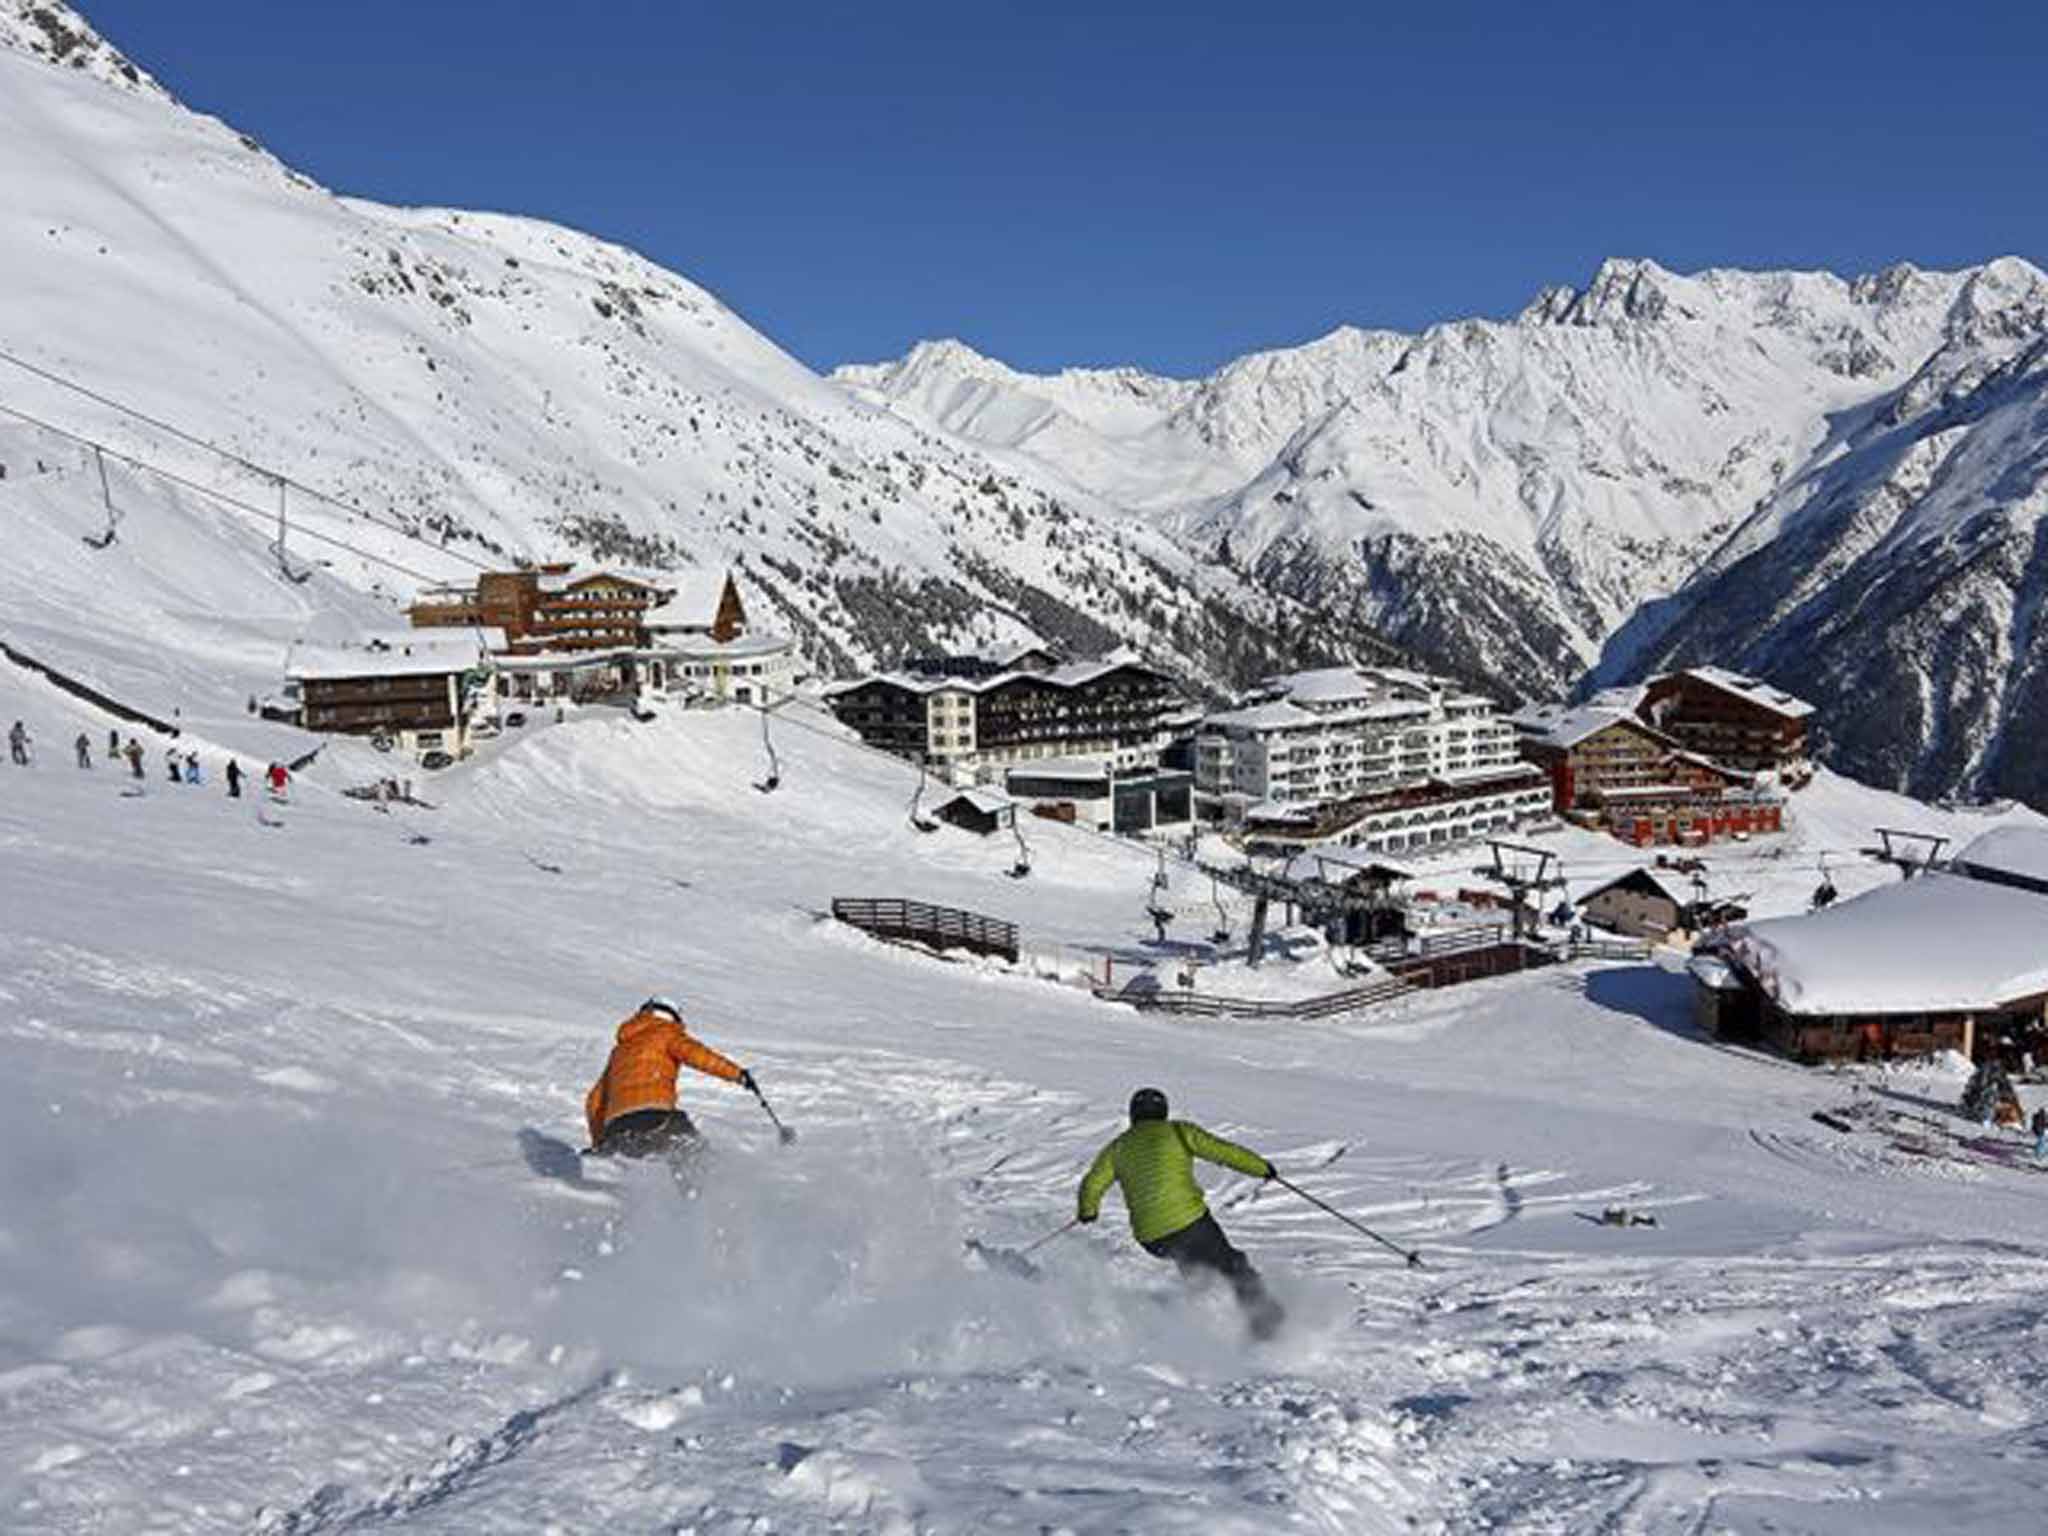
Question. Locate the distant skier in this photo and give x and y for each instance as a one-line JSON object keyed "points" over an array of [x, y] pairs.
{"points": [[83, 747], [631, 1109], [113, 745], [2040, 1129], [174, 765], [278, 778], [234, 779], [134, 756], [18, 744], [1154, 1163], [193, 775]]}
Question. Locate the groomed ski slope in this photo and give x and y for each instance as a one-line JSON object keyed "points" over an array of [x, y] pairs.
{"points": [[272, 1259]]}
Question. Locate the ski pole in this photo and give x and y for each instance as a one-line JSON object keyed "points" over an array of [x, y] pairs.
{"points": [[1414, 1258], [781, 1130], [1060, 1231]]}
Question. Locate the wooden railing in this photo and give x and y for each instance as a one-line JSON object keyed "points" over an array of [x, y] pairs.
{"points": [[1201, 1004], [921, 923]]}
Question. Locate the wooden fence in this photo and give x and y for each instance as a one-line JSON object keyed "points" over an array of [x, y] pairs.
{"points": [[1202, 1004], [918, 922]]}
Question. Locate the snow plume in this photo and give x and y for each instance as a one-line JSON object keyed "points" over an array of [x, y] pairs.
{"points": [[846, 1264]]}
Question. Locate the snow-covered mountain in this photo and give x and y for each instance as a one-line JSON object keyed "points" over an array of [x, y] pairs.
{"points": [[506, 387], [1510, 495]]}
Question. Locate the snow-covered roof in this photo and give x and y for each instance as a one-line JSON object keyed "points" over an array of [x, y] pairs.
{"points": [[565, 661], [987, 801], [1071, 675], [2015, 854], [1273, 715], [1752, 691], [1936, 943], [739, 648], [696, 600], [1573, 726], [1537, 718], [1656, 878], [401, 653]]}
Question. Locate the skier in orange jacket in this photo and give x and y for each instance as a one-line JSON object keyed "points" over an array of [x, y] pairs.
{"points": [[631, 1109]]}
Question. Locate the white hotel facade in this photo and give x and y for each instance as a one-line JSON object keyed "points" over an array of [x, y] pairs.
{"points": [[1347, 748]]}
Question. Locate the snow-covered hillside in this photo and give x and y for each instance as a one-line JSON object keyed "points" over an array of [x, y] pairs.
{"points": [[1510, 495], [291, 1240], [501, 386]]}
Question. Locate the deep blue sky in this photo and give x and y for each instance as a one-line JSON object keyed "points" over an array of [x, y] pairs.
{"points": [[1169, 185]]}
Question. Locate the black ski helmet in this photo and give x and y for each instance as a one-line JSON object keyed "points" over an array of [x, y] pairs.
{"points": [[1148, 1104]]}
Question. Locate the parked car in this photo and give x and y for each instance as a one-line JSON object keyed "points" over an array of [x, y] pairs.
{"points": [[436, 760]]}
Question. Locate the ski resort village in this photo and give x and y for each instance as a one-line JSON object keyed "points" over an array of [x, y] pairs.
{"points": [[602, 931]]}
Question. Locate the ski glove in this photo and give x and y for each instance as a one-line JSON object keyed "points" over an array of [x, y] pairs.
{"points": [[1084, 1217], [1271, 1172], [746, 1081]]}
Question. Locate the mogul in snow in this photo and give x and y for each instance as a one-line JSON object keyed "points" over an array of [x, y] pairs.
{"points": [[631, 1109], [1154, 1163]]}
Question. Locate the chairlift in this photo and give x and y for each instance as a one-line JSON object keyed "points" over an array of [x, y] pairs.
{"points": [[1825, 893], [284, 565], [105, 539], [918, 819], [773, 782], [1155, 899], [1221, 935]]}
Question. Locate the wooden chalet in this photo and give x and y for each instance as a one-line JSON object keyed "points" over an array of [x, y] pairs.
{"points": [[547, 608], [1644, 904], [1737, 721], [416, 691], [1609, 769], [1952, 960], [977, 811]]}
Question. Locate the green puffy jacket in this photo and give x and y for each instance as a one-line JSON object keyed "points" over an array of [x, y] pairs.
{"points": [[1154, 1161]]}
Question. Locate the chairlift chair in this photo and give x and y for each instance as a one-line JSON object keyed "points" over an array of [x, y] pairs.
{"points": [[1221, 935], [773, 782], [284, 564], [104, 539], [918, 819]]}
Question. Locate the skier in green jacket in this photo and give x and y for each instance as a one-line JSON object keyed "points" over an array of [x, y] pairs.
{"points": [[1153, 1161]]}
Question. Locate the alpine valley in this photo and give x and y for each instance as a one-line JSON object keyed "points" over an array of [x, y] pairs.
{"points": [[1836, 483]]}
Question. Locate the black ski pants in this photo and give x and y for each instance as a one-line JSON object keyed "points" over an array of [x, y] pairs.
{"points": [[1200, 1247], [645, 1133]]}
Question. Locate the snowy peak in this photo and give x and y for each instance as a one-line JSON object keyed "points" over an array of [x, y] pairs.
{"points": [[55, 33]]}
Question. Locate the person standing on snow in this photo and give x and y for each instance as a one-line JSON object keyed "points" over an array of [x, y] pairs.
{"points": [[2040, 1129], [174, 764], [234, 779], [83, 747], [192, 773], [1154, 1162], [17, 744], [279, 778], [134, 756], [113, 744], [631, 1109]]}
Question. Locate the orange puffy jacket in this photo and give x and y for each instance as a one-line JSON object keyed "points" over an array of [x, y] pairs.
{"points": [[642, 1071]]}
